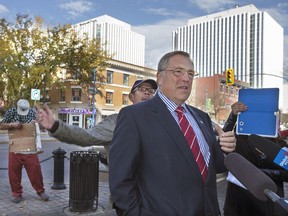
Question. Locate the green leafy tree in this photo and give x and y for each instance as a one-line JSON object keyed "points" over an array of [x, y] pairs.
{"points": [[80, 57], [31, 55]]}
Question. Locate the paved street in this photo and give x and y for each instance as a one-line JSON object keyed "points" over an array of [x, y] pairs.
{"points": [[59, 199]]}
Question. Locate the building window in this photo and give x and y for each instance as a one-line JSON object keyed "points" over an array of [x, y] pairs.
{"points": [[125, 79], [221, 88], [98, 31], [109, 97], [109, 77], [76, 94], [125, 99], [62, 95]]}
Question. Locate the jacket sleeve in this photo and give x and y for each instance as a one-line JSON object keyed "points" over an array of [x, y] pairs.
{"points": [[277, 174], [100, 134], [230, 123]]}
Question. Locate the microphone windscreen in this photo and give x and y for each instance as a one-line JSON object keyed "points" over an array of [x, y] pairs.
{"points": [[264, 145], [249, 175]]}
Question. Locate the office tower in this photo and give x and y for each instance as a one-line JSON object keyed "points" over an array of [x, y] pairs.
{"points": [[119, 40], [76, 105], [243, 38]]}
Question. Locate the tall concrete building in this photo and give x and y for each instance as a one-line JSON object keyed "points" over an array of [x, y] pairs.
{"points": [[74, 104], [117, 37], [244, 38]]}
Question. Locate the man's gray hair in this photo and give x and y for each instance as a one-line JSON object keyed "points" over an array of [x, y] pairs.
{"points": [[163, 63]]}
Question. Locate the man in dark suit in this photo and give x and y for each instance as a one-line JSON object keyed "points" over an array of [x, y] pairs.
{"points": [[153, 170]]}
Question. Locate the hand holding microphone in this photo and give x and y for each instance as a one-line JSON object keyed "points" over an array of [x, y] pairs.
{"points": [[249, 175], [256, 182]]}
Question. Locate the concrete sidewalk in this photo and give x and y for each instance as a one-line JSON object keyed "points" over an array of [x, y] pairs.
{"points": [[58, 204]]}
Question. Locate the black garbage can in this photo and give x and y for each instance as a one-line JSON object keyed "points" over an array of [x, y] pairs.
{"points": [[84, 181]]}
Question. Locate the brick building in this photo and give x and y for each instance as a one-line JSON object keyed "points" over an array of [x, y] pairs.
{"points": [[211, 94], [73, 105]]}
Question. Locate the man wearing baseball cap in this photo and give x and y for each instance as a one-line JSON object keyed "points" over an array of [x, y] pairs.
{"points": [[146, 87], [100, 134], [13, 120]]}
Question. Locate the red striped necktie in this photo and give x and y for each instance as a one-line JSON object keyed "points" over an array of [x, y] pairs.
{"points": [[192, 141]]}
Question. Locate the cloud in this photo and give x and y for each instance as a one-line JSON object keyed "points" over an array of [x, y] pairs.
{"points": [[158, 11], [279, 14], [210, 6], [77, 8], [164, 12], [158, 38], [3, 9]]}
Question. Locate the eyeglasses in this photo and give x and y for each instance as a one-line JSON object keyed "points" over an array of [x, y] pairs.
{"points": [[144, 89], [179, 72]]}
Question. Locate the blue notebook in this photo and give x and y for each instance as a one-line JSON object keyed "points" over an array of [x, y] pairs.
{"points": [[261, 116]]}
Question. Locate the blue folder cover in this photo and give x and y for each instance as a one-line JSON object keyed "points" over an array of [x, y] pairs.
{"points": [[261, 116]]}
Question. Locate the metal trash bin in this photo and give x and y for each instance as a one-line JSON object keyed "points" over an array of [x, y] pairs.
{"points": [[84, 181]]}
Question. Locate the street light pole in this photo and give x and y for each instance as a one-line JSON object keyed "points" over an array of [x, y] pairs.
{"points": [[44, 96], [93, 97]]}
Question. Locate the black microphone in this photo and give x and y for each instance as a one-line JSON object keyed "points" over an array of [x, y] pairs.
{"points": [[274, 153], [280, 204], [256, 182], [250, 176]]}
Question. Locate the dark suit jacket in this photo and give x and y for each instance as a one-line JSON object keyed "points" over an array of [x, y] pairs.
{"points": [[152, 170]]}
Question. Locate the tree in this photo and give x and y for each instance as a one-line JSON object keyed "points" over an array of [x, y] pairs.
{"points": [[31, 56], [80, 56]]}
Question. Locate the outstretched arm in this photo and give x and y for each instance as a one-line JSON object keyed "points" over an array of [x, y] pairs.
{"points": [[45, 117], [100, 134]]}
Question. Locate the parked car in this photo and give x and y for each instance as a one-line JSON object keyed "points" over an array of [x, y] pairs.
{"points": [[284, 133]]}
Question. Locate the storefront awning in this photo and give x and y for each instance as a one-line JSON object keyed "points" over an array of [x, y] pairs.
{"points": [[74, 110]]}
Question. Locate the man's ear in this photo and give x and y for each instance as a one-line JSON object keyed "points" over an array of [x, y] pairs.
{"points": [[130, 96], [159, 78]]}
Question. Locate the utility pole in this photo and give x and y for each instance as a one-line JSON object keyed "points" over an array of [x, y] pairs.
{"points": [[93, 97], [44, 95]]}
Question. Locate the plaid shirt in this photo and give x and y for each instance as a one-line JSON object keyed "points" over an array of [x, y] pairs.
{"points": [[11, 115]]}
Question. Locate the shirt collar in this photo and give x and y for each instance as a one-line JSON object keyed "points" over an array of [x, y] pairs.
{"points": [[171, 105]]}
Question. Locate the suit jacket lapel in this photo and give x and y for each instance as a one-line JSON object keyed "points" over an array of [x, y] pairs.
{"points": [[161, 112]]}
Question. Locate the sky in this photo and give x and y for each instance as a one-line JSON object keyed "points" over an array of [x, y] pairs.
{"points": [[155, 19]]}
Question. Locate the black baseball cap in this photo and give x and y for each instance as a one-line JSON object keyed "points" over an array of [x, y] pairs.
{"points": [[139, 82]]}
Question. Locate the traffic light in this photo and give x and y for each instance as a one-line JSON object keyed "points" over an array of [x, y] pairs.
{"points": [[230, 76]]}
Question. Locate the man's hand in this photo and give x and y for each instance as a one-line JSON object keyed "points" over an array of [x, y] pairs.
{"points": [[16, 125], [44, 116], [227, 139], [238, 107]]}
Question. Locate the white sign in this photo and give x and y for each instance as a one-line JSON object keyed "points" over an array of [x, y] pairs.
{"points": [[35, 94]]}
